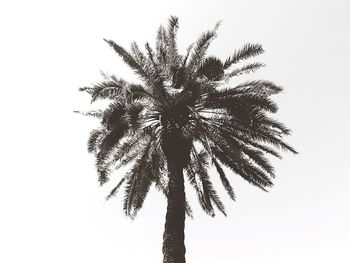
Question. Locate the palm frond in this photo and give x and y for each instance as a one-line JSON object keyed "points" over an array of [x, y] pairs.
{"points": [[112, 117], [257, 134], [188, 52], [258, 158], [128, 58], [211, 68], [205, 202], [242, 167], [171, 39], [92, 113], [188, 209], [263, 87], [93, 141], [104, 152], [159, 73], [133, 114], [224, 180], [233, 158], [110, 88], [115, 189], [247, 51], [151, 55], [138, 55], [254, 155], [242, 105], [249, 141], [130, 145], [161, 47], [250, 68], [201, 47], [204, 188], [138, 182], [208, 188], [103, 143]]}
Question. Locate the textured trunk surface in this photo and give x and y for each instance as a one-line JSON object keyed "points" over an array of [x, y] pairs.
{"points": [[174, 236], [176, 149]]}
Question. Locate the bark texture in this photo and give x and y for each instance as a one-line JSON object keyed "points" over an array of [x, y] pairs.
{"points": [[174, 237], [176, 150]]}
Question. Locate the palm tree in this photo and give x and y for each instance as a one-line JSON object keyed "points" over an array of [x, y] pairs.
{"points": [[185, 116]]}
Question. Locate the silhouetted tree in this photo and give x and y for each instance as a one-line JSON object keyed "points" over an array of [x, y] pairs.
{"points": [[184, 117]]}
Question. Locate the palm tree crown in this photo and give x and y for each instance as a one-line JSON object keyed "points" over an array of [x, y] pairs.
{"points": [[187, 111]]}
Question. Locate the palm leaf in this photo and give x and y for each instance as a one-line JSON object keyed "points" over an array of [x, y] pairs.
{"points": [[250, 68], [138, 183], [224, 180], [247, 51], [201, 46], [92, 113], [128, 58], [115, 189]]}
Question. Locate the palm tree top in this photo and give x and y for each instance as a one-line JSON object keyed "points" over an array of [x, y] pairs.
{"points": [[186, 104]]}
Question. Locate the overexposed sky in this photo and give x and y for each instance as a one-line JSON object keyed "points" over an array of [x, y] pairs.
{"points": [[52, 209]]}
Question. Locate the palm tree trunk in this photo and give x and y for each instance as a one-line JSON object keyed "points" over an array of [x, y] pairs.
{"points": [[176, 149], [174, 236]]}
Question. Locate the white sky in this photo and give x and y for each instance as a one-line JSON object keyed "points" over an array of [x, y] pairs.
{"points": [[52, 209]]}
